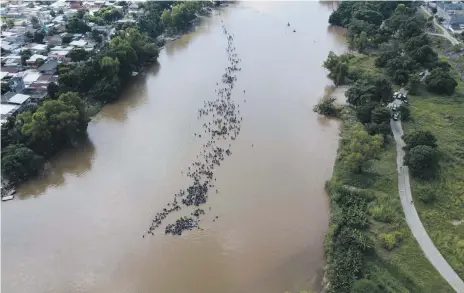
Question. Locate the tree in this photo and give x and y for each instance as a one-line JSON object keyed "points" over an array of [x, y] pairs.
{"points": [[10, 23], [35, 22], [338, 67], [342, 16], [25, 54], [52, 90], [78, 54], [359, 148], [378, 128], [380, 115], [30, 5], [39, 62], [51, 126], [422, 160], [20, 162], [77, 25], [434, 10], [5, 87], [419, 137], [96, 36], [66, 39], [109, 66], [413, 84], [364, 112], [369, 89], [440, 82], [39, 35], [405, 112], [52, 13], [326, 107]]}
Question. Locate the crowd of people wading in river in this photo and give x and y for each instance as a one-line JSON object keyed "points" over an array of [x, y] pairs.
{"points": [[225, 125]]}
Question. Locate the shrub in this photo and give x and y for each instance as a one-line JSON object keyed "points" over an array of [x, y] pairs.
{"points": [[365, 286], [405, 112], [440, 82], [382, 214], [327, 107], [364, 112], [391, 240], [422, 160], [419, 137], [426, 194], [378, 128]]}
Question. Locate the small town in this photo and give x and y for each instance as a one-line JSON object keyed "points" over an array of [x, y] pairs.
{"points": [[37, 36]]}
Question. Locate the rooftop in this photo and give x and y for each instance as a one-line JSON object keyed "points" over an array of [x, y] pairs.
{"points": [[19, 99], [6, 108]]}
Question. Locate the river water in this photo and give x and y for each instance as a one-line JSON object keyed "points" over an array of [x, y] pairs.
{"points": [[80, 228]]}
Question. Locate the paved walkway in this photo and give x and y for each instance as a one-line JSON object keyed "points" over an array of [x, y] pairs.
{"points": [[445, 34], [413, 220]]}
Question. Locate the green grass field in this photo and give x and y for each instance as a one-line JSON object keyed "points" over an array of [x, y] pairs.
{"points": [[444, 218], [404, 268]]}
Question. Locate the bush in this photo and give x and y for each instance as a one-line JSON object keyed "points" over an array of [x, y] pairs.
{"points": [[380, 115], [422, 160], [439, 81], [419, 137], [20, 162], [364, 112], [391, 240], [413, 84], [405, 112], [327, 107], [365, 286], [425, 194], [382, 214], [378, 128]]}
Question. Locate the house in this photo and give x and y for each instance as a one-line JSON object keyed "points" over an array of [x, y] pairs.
{"points": [[11, 61], [53, 40], [75, 4], [80, 43], [33, 59], [49, 67], [7, 110], [39, 49], [19, 99], [29, 76], [452, 13]]}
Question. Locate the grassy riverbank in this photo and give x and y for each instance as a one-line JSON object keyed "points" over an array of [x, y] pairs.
{"points": [[443, 215], [403, 268], [369, 245]]}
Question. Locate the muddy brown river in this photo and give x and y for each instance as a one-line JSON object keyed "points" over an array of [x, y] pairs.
{"points": [[80, 228]]}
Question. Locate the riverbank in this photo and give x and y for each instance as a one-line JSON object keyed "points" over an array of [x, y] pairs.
{"points": [[369, 244], [86, 87], [401, 267]]}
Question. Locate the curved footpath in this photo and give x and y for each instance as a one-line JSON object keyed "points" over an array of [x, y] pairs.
{"points": [[413, 220], [445, 34]]}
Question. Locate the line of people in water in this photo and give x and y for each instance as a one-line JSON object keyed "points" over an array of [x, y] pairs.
{"points": [[224, 124]]}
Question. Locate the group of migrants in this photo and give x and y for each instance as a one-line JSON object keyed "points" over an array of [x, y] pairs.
{"points": [[224, 124]]}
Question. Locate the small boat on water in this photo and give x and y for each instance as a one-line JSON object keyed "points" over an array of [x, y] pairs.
{"points": [[9, 195], [7, 198]]}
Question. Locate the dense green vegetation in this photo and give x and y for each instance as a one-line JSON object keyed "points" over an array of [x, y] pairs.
{"points": [[368, 245], [31, 137]]}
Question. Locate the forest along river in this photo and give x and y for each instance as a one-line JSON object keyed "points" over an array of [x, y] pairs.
{"points": [[80, 228]]}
